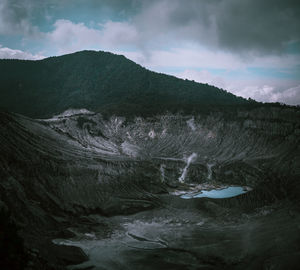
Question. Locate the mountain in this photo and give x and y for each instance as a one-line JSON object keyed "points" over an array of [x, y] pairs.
{"points": [[102, 82]]}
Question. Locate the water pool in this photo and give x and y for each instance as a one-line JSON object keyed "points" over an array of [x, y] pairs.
{"points": [[216, 193]]}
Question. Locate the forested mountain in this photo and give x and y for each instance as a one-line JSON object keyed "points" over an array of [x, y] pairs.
{"points": [[101, 81]]}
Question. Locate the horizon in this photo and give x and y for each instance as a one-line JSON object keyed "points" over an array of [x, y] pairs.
{"points": [[249, 48]]}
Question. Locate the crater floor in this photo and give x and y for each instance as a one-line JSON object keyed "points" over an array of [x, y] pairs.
{"points": [[145, 193]]}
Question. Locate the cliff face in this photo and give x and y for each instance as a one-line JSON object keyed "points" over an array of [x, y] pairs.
{"points": [[80, 163], [65, 161]]}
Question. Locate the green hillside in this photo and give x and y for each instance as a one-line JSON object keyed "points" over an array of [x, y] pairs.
{"points": [[101, 81]]}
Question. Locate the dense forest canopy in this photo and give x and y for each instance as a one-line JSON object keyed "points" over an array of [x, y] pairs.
{"points": [[105, 82]]}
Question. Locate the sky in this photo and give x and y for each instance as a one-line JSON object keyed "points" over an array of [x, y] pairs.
{"points": [[248, 47]]}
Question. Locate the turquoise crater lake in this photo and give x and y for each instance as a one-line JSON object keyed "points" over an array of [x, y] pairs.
{"points": [[216, 193]]}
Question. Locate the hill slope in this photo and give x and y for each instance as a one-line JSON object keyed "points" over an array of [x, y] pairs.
{"points": [[100, 81]]}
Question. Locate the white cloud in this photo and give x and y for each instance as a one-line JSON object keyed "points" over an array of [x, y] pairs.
{"points": [[7, 53], [118, 33], [192, 56], [202, 76], [259, 89], [291, 96], [259, 93], [68, 36], [268, 93]]}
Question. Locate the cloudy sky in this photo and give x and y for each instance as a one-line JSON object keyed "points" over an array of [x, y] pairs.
{"points": [[249, 47]]}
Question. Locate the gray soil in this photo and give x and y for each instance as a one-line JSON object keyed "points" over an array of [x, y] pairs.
{"points": [[96, 193]]}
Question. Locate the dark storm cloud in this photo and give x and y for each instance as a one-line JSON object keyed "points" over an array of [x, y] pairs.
{"points": [[237, 25], [259, 25], [17, 16], [13, 17]]}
